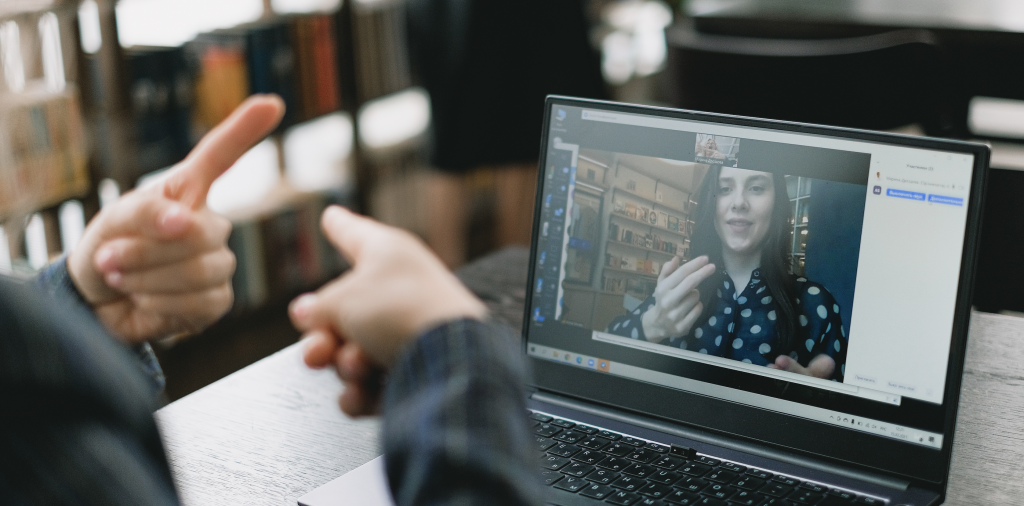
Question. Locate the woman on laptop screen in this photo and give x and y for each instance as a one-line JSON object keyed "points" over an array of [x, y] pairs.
{"points": [[737, 298]]}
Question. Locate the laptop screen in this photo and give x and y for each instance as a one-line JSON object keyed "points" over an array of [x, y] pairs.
{"points": [[809, 275]]}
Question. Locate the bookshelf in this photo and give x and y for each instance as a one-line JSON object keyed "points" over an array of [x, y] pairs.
{"points": [[799, 189]]}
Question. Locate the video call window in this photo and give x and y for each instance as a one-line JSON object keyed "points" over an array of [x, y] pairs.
{"points": [[707, 257]]}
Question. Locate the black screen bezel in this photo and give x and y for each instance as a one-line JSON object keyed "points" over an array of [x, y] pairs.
{"points": [[916, 463]]}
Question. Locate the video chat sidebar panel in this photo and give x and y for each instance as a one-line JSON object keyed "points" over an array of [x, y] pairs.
{"points": [[558, 179]]}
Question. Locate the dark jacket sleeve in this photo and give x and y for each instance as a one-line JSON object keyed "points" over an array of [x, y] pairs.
{"points": [[77, 425], [56, 281], [455, 426]]}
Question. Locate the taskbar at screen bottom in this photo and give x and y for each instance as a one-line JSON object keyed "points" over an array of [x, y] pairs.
{"points": [[845, 420]]}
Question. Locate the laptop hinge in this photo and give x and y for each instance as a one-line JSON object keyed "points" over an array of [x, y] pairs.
{"points": [[721, 441]]}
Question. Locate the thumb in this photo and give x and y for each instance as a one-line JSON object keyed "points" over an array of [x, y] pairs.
{"points": [[190, 181], [350, 233]]}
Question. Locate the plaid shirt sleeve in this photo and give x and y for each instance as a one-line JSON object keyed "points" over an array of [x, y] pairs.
{"points": [[455, 430], [56, 281]]}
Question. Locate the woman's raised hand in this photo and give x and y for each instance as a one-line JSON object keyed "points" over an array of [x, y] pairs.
{"points": [[676, 299]]}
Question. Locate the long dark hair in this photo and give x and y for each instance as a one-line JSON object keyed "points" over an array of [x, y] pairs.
{"points": [[775, 253]]}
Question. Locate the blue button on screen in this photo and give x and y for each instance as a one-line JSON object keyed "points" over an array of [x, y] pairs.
{"points": [[904, 194], [940, 199]]}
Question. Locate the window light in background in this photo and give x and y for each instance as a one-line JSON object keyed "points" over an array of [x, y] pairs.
{"points": [[248, 181], [108, 191], [6, 265], [317, 153], [72, 224], [175, 22], [53, 60], [10, 56], [297, 6], [35, 242], [997, 117], [394, 120], [637, 43], [89, 27]]}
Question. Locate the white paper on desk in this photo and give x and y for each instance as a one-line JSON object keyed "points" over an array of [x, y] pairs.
{"points": [[366, 485]]}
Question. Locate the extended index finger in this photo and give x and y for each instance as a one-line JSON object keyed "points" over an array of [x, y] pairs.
{"points": [[352, 234], [190, 181]]}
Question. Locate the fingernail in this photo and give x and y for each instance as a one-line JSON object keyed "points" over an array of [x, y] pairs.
{"points": [[173, 220], [114, 279], [105, 259], [302, 305]]}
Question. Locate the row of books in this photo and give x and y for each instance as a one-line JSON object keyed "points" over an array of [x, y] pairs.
{"points": [[43, 151], [656, 218], [636, 264], [281, 250], [646, 240], [381, 50], [638, 288]]}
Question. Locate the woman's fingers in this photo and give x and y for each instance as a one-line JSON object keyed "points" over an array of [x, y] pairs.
{"points": [[821, 366], [136, 253], [668, 268], [196, 310], [683, 307], [689, 284], [684, 326], [671, 281]]}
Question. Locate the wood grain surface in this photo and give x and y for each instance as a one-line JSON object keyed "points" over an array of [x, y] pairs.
{"points": [[272, 431]]}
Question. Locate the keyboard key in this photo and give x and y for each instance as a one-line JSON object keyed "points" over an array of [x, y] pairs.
{"points": [[747, 482], [553, 462], [565, 424], [834, 500], [785, 480], [704, 459], [682, 498], [569, 436], [656, 447], [655, 490], [667, 463], [614, 463], [577, 469], [736, 468], [683, 452], [805, 496], [564, 450], [586, 429], [814, 487], [775, 489], [623, 498], [870, 500], [778, 501], [571, 484], [721, 476], [649, 501], [664, 477], [592, 442], [691, 484], [602, 476], [629, 483], [694, 469], [589, 457], [597, 491], [543, 443], [711, 501], [746, 498], [540, 417], [618, 449], [842, 494], [639, 470], [718, 491], [549, 477], [632, 441], [609, 435], [759, 474], [546, 430], [643, 456]]}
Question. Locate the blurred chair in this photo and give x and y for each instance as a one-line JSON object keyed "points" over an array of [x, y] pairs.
{"points": [[880, 81]]}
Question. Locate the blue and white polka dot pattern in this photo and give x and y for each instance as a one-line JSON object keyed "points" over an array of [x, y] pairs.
{"points": [[743, 325]]}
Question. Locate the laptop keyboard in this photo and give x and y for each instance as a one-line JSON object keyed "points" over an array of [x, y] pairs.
{"points": [[623, 470]]}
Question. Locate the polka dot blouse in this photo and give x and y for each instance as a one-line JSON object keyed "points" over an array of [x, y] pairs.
{"points": [[743, 325]]}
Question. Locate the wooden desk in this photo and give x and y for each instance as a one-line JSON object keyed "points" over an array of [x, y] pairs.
{"points": [[272, 431]]}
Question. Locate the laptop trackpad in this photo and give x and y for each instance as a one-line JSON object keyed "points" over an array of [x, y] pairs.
{"points": [[366, 485]]}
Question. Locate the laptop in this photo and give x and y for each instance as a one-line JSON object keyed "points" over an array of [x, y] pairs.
{"points": [[734, 311]]}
